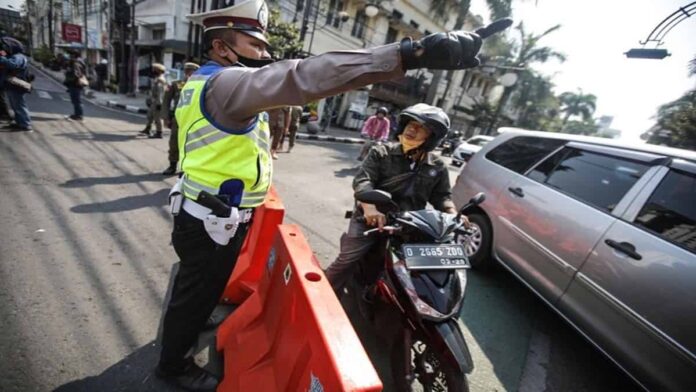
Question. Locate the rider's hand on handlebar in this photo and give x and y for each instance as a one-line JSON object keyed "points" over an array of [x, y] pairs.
{"points": [[466, 221], [372, 216]]}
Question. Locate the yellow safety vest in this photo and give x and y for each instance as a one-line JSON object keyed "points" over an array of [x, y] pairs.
{"points": [[236, 163]]}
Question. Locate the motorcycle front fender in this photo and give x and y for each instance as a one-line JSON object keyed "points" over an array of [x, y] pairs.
{"points": [[448, 336]]}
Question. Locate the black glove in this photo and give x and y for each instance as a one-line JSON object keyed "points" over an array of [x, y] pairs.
{"points": [[158, 107], [453, 50]]}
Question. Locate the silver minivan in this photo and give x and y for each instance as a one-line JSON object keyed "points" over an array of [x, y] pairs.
{"points": [[603, 233]]}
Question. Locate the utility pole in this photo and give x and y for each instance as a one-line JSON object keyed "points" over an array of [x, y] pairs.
{"points": [[84, 19], [133, 59], [189, 52], [51, 44]]}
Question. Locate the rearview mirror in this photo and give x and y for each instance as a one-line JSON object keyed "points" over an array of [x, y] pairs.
{"points": [[380, 199], [478, 199]]}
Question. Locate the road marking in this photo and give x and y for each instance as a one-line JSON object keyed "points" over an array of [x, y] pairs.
{"points": [[534, 373], [44, 94], [66, 99]]}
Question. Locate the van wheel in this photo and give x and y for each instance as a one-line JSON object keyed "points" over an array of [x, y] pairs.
{"points": [[478, 245]]}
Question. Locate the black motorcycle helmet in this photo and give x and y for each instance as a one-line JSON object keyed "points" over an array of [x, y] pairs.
{"points": [[432, 117], [382, 110]]}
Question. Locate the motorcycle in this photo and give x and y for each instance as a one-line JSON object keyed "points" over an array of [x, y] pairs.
{"points": [[415, 298], [450, 143]]}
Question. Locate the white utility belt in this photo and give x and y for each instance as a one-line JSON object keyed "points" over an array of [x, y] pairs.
{"points": [[200, 212], [220, 228]]}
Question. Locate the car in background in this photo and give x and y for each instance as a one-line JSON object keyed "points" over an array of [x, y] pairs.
{"points": [[604, 233], [468, 148]]}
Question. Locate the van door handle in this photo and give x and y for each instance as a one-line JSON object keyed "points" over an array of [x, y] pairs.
{"points": [[624, 247], [516, 191]]}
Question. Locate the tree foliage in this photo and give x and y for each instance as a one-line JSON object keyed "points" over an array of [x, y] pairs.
{"points": [[284, 37], [577, 104], [538, 106], [676, 123], [584, 127]]}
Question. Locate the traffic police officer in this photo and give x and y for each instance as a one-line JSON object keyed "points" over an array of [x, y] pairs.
{"points": [[224, 150], [171, 101], [154, 101]]}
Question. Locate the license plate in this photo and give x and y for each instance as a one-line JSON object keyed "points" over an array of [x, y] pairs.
{"points": [[435, 256]]}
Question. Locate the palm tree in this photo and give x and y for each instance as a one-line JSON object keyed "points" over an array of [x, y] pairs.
{"points": [[442, 9], [574, 104], [692, 67], [528, 50]]}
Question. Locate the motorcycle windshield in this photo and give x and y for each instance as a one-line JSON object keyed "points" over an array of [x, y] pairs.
{"points": [[435, 224]]}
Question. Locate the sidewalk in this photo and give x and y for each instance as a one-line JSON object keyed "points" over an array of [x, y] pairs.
{"points": [[137, 105]]}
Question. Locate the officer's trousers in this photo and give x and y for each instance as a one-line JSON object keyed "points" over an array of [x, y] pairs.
{"points": [[174, 143], [204, 270], [154, 115]]}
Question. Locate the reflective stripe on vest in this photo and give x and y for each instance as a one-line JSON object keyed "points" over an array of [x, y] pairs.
{"points": [[237, 164]]}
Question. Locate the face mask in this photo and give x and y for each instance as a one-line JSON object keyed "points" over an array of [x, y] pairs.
{"points": [[249, 62], [409, 145]]}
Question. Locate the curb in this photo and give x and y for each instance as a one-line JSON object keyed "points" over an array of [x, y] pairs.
{"points": [[335, 139]]}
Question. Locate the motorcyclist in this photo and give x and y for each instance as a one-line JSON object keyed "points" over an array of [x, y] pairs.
{"points": [[375, 129], [409, 171]]}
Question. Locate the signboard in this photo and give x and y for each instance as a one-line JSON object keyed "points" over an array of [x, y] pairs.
{"points": [[72, 32]]}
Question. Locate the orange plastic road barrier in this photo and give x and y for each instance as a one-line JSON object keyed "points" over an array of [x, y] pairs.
{"points": [[251, 262], [292, 333]]}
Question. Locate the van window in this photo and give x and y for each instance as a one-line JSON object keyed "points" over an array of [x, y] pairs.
{"points": [[522, 152], [671, 210], [597, 179]]}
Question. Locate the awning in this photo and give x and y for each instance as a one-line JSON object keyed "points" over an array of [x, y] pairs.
{"points": [[177, 46]]}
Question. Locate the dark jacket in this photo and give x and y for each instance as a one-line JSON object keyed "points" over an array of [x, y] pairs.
{"points": [[411, 184], [76, 68]]}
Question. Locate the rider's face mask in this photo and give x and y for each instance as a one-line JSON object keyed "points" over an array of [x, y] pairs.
{"points": [[413, 136], [247, 61]]}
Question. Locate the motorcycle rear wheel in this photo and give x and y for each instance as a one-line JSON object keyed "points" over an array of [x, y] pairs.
{"points": [[431, 372]]}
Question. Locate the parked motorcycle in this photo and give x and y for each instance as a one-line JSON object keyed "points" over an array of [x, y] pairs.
{"points": [[414, 296]]}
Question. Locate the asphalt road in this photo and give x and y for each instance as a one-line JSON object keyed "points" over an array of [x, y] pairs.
{"points": [[86, 261]]}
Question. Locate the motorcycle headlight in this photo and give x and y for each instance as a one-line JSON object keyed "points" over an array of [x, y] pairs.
{"points": [[423, 308]]}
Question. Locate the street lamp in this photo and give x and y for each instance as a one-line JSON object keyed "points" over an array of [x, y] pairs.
{"points": [[658, 34], [371, 10], [507, 81]]}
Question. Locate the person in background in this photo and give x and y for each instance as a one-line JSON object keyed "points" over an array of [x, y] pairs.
{"points": [[154, 102], [75, 78], [375, 129], [295, 116], [15, 79], [171, 101], [102, 72], [279, 121]]}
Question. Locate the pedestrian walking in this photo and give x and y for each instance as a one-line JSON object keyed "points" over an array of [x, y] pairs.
{"points": [[102, 71], [295, 116], [225, 151], [154, 102], [171, 101], [279, 121], [375, 129], [16, 82], [76, 80]]}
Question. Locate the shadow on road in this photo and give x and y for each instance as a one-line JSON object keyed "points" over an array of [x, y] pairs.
{"points": [[100, 137], [346, 172], [135, 372], [124, 179], [128, 203]]}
